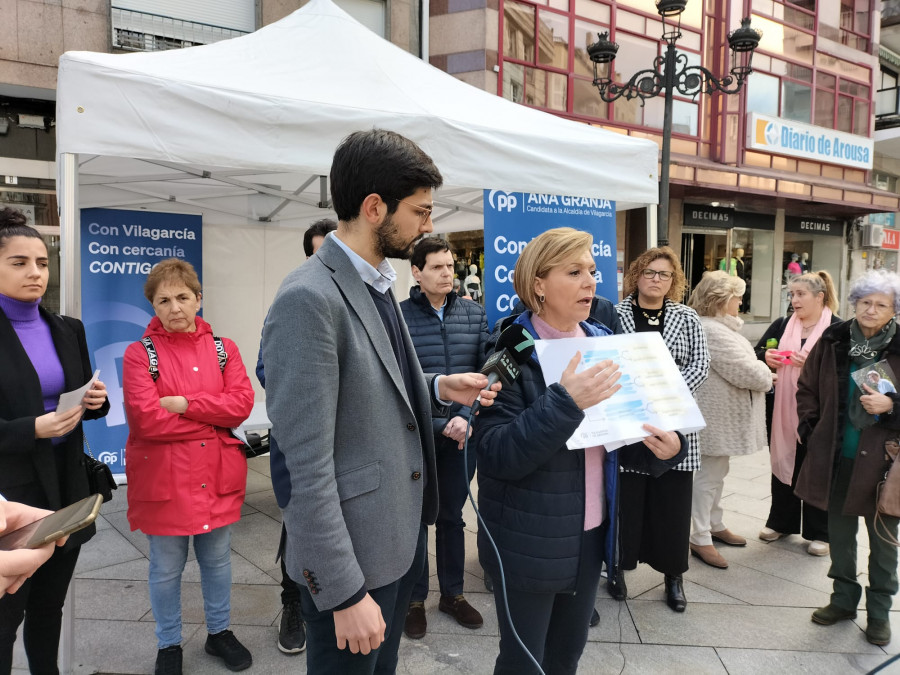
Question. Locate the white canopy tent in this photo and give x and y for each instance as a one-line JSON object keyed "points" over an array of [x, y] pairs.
{"points": [[243, 132]]}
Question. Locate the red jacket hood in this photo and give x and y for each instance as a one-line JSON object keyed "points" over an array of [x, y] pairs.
{"points": [[155, 328]]}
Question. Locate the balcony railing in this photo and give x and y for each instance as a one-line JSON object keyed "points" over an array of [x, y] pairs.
{"points": [[146, 32]]}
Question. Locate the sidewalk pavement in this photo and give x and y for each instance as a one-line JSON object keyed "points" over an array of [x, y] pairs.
{"points": [[753, 617]]}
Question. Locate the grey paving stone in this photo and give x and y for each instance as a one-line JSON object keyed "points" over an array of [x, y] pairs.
{"points": [[751, 506], [257, 482], [752, 587], [256, 538], [265, 502], [756, 661], [616, 624], [628, 659], [438, 622], [134, 570], [107, 547], [138, 539], [113, 600], [446, 654], [119, 502], [121, 647], [778, 628], [260, 465]]}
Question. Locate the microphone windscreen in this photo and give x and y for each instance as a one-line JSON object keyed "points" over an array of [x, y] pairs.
{"points": [[518, 341]]}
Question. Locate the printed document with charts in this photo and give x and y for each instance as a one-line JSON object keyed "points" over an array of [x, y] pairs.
{"points": [[653, 390]]}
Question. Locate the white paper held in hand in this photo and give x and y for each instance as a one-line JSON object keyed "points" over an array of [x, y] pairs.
{"points": [[653, 390], [73, 399]]}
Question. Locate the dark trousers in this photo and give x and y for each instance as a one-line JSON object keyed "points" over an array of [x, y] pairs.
{"points": [[655, 520], [322, 655], [450, 538], [553, 626], [290, 591], [39, 601], [788, 510], [882, 556]]}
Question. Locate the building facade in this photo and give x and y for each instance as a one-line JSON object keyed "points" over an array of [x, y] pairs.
{"points": [[35, 33], [784, 167]]}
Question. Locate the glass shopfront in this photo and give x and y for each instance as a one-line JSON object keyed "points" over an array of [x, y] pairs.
{"points": [[738, 242], [817, 244]]}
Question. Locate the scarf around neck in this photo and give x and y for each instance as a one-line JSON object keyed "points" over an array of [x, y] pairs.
{"points": [[864, 353], [783, 443]]}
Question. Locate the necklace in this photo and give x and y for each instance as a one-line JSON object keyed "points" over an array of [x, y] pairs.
{"points": [[653, 320]]}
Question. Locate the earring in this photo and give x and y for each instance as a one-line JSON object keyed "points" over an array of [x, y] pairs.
{"points": [[541, 299]]}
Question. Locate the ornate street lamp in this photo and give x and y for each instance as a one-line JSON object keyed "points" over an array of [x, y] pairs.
{"points": [[671, 72]]}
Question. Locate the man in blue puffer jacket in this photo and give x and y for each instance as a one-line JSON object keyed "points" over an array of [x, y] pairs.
{"points": [[450, 336]]}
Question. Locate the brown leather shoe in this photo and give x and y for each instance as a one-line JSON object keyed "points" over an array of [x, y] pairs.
{"points": [[415, 623], [709, 555], [726, 536], [457, 607]]}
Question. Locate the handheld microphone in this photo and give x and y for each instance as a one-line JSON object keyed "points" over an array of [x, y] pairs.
{"points": [[514, 347]]}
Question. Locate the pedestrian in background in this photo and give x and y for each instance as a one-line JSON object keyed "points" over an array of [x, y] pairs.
{"points": [[42, 355], [184, 390], [733, 403]]}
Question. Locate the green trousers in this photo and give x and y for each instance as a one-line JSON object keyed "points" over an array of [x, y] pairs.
{"points": [[882, 556]]}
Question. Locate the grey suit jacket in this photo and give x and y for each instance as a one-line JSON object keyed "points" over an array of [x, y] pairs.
{"points": [[359, 453]]}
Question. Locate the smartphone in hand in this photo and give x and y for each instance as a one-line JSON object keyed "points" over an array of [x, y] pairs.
{"points": [[57, 525]]}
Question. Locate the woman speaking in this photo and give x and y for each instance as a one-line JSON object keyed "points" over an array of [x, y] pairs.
{"points": [[552, 511]]}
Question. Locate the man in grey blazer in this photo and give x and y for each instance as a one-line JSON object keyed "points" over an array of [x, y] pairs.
{"points": [[351, 410]]}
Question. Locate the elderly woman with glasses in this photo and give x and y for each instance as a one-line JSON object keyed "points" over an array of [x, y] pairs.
{"points": [[656, 512], [848, 432]]}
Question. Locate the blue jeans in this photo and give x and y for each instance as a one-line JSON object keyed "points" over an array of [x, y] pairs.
{"points": [[167, 557]]}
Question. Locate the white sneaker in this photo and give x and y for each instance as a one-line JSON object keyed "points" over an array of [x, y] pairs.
{"points": [[768, 534], [818, 548]]}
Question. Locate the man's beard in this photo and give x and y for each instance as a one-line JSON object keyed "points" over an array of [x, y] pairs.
{"points": [[388, 243]]}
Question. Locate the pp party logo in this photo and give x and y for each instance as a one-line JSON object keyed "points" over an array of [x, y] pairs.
{"points": [[767, 133]]}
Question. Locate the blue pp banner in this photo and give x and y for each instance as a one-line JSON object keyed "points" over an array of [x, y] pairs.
{"points": [[512, 219], [118, 250]]}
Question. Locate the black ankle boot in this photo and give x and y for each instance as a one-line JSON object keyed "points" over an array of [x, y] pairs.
{"points": [[675, 593], [615, 586]]}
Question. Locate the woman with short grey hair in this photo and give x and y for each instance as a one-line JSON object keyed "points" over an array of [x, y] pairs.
{"points": [[851, 432]]}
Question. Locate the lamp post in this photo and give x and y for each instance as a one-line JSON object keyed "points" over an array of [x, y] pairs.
{"points": [[671, 72]]}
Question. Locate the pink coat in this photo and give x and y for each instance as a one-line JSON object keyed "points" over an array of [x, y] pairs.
{"points": [[186, 473]]}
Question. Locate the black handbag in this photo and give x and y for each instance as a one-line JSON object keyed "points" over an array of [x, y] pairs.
{"points": [[99, 475]]}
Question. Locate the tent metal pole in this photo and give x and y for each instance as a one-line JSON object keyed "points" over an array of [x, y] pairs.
{"points": [[652, 237], [70, 304], [425, 10], [69, 221]]}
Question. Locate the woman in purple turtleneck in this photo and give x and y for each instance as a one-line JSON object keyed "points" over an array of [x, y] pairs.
{"points": [[42, 355]]}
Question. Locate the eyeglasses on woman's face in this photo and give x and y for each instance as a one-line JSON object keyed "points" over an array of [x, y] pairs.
{"points": [[663, 274]]}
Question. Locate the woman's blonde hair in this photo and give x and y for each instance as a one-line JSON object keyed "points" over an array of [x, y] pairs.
{"points": [[714, 291], [676, 291], [818, 282], [171, 269], [543, 253]]}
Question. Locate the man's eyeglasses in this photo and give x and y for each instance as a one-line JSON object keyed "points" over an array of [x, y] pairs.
{"points": [[663, 275], [422, 212]]}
